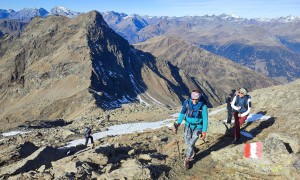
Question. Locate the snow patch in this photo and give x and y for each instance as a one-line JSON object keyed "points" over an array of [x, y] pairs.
{"points": [[141, 101], [125, 129], [256, 117], [153, 98], [12, 133]]}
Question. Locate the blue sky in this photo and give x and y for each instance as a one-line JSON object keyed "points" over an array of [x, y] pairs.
{"points": [[243, 8]]}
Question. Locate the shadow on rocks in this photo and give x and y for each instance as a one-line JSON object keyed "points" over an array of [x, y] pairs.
{"points": [[45, 124], [114, 154], [226, 140], [254, 118], [158, 170]]}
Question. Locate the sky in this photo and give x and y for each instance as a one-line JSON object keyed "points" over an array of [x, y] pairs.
{"points": [[179, 8]]}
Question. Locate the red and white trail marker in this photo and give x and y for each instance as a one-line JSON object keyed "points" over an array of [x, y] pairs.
{"points": [[253, 150]]}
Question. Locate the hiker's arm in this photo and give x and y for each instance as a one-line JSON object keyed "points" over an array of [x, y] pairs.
{"points": [[204, 118], [249, 108], [232, 104], [182, 113]]}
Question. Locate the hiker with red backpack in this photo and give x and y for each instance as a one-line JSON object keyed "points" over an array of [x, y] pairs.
{"points": [[194, 112], [241, 105]]}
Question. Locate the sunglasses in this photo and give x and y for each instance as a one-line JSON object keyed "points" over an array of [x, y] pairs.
{"points": [[241, 93], [195, 99]]}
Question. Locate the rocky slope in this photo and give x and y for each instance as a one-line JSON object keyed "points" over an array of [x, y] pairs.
{"points": [[66, 68], [12, 27], [154, 154], [216, 75]]}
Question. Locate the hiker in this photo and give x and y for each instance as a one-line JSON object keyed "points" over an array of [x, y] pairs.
{"points": [[194, 111], [107, 117], [241, 105], [229, 108], [87, 135]]}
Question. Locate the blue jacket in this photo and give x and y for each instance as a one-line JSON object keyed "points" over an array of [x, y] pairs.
{"points": [[194, 120]]}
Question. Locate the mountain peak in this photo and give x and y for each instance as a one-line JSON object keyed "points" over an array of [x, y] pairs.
{"points": [[95, 17], [63, 11], [61, 8], [229, 16]]}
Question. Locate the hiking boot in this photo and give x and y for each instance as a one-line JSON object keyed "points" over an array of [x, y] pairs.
{"points": [[236, 141], [193, 155], [186, 163]]}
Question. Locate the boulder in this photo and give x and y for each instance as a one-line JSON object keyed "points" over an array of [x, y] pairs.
{"points": [[130, 169], [43, 156]]}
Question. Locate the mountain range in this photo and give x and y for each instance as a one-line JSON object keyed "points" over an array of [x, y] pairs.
{"points": [[72, 67], [268, 46], [27, 14]]}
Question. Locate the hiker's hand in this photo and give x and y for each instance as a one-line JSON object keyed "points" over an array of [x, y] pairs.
{"points": [[203, 135], [239, 115], [239, 107], [175, 127]]}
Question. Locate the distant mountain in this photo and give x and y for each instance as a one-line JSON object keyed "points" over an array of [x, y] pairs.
{"points": [[6, 13], [59, 10], [127, 26], [216, 75], [27, 14], [269, 46]]}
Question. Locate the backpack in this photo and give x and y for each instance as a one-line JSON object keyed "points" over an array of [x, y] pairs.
{"points": [[230, 98], [189, 112], [87, 131]]}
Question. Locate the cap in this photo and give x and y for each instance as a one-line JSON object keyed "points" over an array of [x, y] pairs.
{"points": [[243, 91], [195, 95]]}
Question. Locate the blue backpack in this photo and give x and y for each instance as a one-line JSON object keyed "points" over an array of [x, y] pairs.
{"points": [[190, 111]]}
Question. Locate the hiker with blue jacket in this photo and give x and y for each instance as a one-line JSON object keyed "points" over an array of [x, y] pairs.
{"points": [[241, 105], [194, 112]]}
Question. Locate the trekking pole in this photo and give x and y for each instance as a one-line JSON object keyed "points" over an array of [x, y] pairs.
{"points": [[205, 143], [178, 148], [175, 128]]}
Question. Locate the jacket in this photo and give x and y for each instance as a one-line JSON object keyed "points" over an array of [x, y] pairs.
{"points": [[196, 116]]}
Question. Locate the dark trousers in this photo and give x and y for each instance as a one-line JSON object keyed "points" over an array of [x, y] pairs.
{"points": [[87, 139], [229, 114], [238, 121]]}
